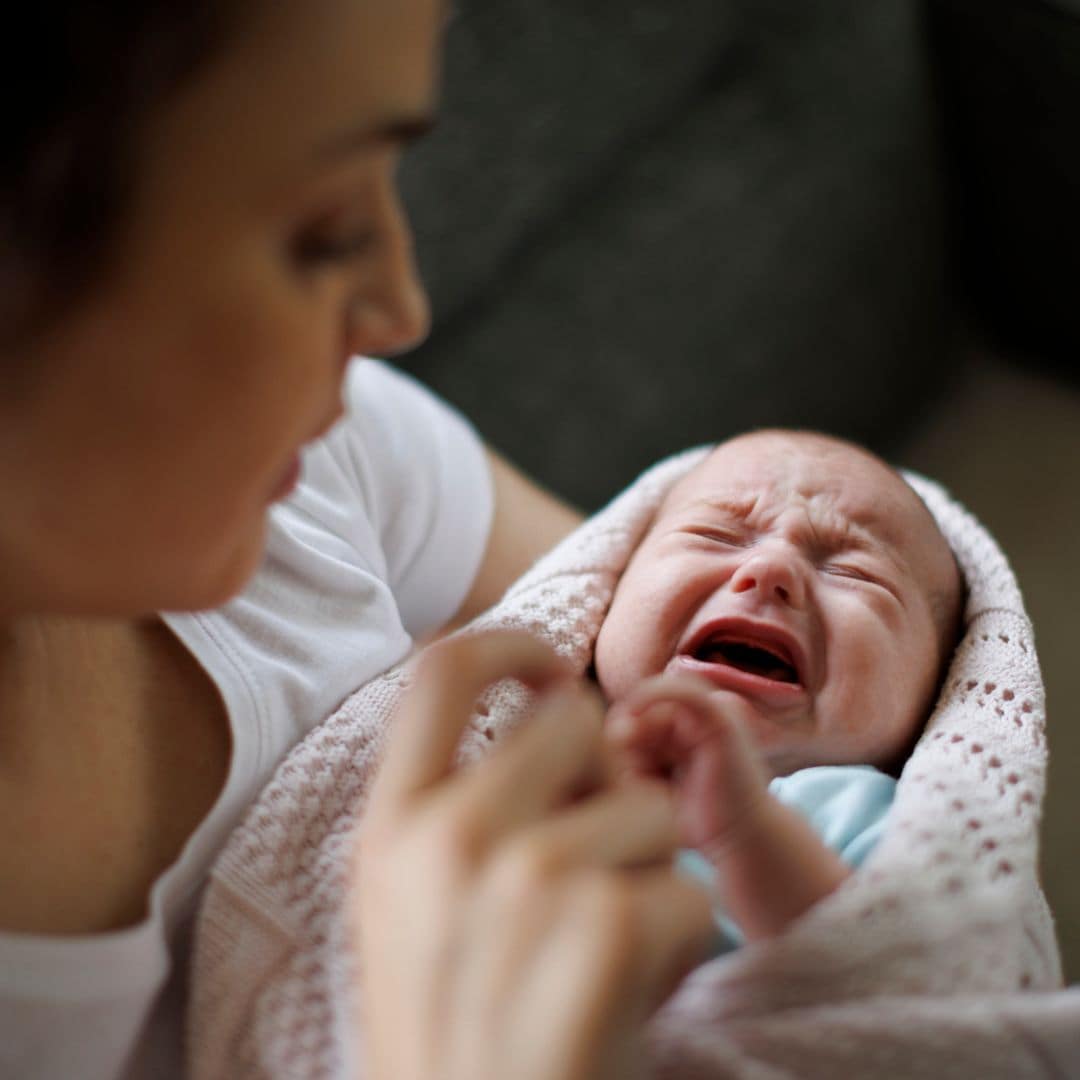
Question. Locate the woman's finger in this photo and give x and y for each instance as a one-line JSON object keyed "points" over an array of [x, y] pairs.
{"points": [[450, 677], [629, 826], [557, 754], [676, 931]]}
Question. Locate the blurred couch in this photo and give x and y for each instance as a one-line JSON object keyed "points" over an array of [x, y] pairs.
{"points": [[648, 224], [1008, 77]]}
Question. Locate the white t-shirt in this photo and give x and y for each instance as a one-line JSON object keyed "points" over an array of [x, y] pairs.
{"points": [[379, 544]]}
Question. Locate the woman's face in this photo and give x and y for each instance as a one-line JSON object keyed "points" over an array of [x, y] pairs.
{"points": [[265, 244]]}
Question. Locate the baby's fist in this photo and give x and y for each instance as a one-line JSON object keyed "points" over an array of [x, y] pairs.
{"points": [[693, 738]]}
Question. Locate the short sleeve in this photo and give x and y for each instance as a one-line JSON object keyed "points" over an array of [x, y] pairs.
{"points": [[422, 473]]}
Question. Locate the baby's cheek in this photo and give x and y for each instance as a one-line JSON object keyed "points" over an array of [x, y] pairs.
{"points": [[627, 645], [612, 657], [898, 709], [653, 604], [602, 669]]}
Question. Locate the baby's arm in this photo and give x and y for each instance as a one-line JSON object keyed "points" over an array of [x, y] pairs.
{"points": [[771, 866]]}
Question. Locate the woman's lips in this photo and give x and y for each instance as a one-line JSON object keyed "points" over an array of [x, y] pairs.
{"points": [[770, 692]]}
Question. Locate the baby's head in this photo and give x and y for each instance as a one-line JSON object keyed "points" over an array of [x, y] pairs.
{"points": [[803, 574]]}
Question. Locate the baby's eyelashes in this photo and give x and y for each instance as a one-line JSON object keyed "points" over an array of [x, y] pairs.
{"points": [[844, 570], [719, 536], [861, 574]]}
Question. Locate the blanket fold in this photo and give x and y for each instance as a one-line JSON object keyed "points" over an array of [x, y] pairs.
{"points": [[938, 955]]}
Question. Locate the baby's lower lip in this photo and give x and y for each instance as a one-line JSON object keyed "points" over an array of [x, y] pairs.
{"points": [[725, 677]]}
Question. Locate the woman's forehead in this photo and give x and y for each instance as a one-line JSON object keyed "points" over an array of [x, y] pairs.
{"points": [[304, 77]]}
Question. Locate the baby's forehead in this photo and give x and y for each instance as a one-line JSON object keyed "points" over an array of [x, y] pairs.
{"points": [[833, 482], [836, 493]]}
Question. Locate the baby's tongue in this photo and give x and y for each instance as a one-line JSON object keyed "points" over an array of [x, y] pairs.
{"points": [[751, 659]]}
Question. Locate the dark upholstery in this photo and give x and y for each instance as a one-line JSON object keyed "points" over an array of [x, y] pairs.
{"points": [[1009, 78], [649, 224]]}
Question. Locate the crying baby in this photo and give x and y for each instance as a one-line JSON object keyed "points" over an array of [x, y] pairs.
{"points": [[771, 654]]}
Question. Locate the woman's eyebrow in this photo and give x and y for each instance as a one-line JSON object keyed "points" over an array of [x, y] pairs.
{"points": [[394, 130]]}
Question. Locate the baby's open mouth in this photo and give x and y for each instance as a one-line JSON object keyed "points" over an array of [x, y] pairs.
{"points": [[755, 658]]}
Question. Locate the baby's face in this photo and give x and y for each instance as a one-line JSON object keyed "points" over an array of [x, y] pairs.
{"points": [[803, 575]]}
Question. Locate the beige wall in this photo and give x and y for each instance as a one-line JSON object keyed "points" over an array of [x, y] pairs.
{"points": [[1008, 445]]}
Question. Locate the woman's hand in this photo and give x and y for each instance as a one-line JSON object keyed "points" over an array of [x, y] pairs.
{"points": [[517, 917]]}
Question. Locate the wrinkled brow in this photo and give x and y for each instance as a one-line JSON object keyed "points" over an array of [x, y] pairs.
{"points": [[834, 531], [829, 530], [728, 506]]}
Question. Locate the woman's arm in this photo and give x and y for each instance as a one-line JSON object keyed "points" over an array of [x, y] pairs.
{"points": [[527, 522], [518, 917]]}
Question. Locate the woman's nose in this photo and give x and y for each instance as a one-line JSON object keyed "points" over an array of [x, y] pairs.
{"points": [[774, 574], [391, 313]]}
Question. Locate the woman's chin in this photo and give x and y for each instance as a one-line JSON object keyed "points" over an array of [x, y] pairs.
{"points": [[210, 584]]}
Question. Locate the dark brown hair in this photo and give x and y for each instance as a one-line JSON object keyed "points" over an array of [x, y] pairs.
{"points": [[93, 72]]}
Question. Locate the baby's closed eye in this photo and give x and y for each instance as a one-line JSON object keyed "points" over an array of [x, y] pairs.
{"points": [[719, 535], [862, 573]]}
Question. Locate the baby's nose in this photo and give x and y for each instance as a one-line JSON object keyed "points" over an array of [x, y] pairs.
{"points": [[774, 574]]}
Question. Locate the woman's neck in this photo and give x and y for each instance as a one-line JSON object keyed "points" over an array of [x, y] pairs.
{"points": [[53, 670]]}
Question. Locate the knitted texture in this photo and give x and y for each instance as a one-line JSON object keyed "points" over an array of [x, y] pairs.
{"points": [[912, 967]]}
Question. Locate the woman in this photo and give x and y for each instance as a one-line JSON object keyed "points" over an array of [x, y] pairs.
{"points": [[200, 227]]}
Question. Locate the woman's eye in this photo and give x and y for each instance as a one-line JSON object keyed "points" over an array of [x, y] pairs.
{"points": [[326, 249]]}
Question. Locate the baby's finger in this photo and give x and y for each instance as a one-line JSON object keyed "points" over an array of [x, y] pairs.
{"points": [[647, 742], [694, 695], [641, 729], [704, 708], [702, 796], [629, 764], [428, 723], [723, 783], [688, 689]]}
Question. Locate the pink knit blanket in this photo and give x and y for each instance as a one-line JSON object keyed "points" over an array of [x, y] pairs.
{"points": [[937, 958]]}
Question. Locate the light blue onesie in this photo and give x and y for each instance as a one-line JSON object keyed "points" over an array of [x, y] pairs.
{"points": [[845, 804]]}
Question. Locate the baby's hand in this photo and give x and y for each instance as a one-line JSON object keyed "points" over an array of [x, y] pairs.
{"points": [[693, 738]]}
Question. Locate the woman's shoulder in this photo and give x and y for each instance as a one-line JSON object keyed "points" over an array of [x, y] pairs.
{"points": [[378, 544]]}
